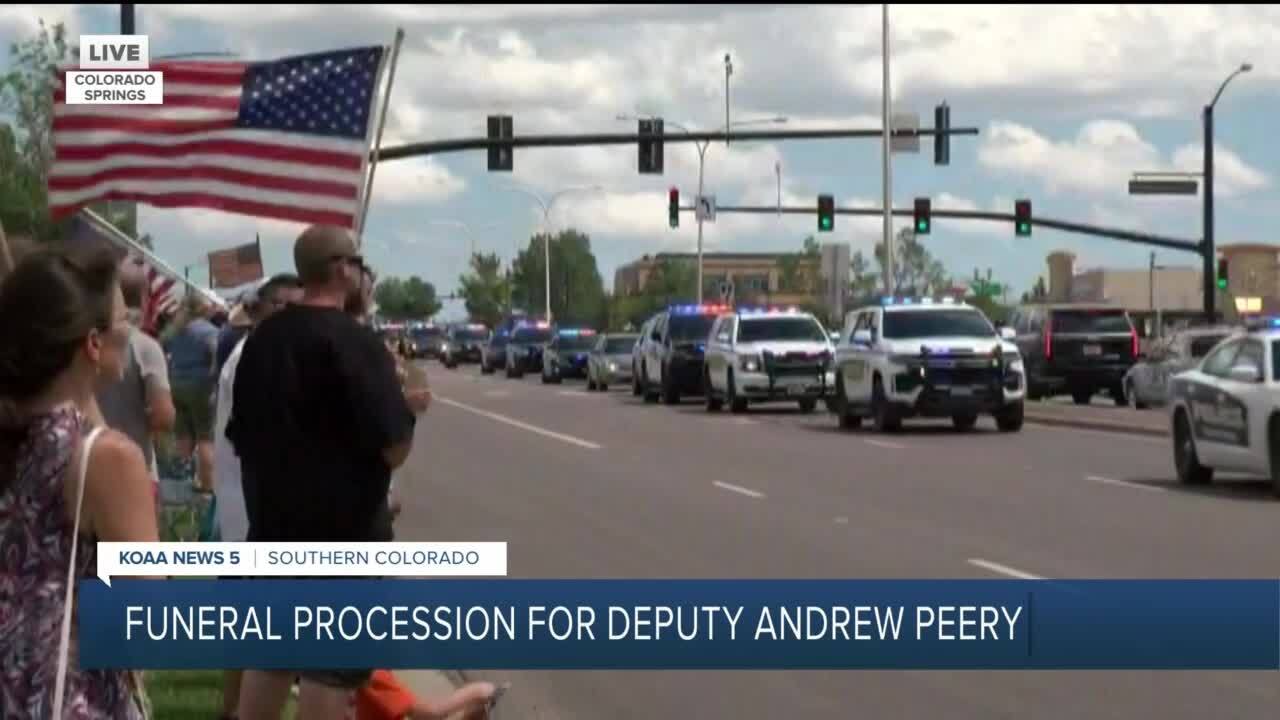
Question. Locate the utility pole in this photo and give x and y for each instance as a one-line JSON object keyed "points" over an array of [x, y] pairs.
{"points": [[887, 178], [1151, 283], [728, 70], [126, 19]]}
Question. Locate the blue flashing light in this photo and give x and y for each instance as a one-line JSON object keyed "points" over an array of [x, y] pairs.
{"points": [[906, 301]]}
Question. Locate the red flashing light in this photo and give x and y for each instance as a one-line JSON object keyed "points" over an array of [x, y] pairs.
{"points": [[1048, 341]]}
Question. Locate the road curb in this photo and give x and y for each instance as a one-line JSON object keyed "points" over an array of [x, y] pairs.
{"points": [[1084, 424]]}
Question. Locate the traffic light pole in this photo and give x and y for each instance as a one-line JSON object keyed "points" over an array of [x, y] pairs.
{"points": [[1207, 250], [1169, 243]]}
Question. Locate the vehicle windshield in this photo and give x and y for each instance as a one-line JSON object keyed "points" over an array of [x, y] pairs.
{"points": [[619, 345], [690, 328], [793, 329], [1090, 321], [1200, 346], [531, 336], [470, 335], [577, 343], [911, 324], [425, 334], [499, 340]]}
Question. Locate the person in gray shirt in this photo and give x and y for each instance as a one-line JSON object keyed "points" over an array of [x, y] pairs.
{"points": [[139, 405]]}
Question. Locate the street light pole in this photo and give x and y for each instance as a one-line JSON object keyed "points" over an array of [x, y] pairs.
{"points": [[702, 146], [546, 206], [887, 172], [728, 70], [1208, 249]]}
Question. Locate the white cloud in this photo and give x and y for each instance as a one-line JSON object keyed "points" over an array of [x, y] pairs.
{"points": [[1100, 159], [1231, 174], [414, 180]]}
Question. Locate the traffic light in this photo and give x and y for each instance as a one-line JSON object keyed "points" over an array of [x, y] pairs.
{"points": [[651, 146], [941, 140], [673, 207], [1022, 218], [923, 216], [499, 156], [1222, 273], [826, 213]]}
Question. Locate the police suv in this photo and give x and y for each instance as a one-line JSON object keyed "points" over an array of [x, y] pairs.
{"points": [[524, 349], [767, 354], [911, 357], [566, 354], [1225, 412], [671, 354]]}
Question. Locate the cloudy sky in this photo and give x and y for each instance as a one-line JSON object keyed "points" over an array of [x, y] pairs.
{"points": [[1069, 101]]}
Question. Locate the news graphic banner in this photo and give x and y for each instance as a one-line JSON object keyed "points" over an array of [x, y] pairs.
{"points": [[248, 559], [682, 624], [114, 71]]}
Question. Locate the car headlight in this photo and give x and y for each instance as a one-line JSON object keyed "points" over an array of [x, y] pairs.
{"points": [[613, 367], [751, 363]]}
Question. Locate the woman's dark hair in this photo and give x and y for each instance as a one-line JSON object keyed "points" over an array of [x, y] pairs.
{"points": [[48, 304]]}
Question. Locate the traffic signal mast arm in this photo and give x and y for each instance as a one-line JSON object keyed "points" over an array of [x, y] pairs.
{"points": [[1039, 221], [483, 143]]}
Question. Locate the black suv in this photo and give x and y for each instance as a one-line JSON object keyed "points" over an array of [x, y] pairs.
{"points": [[673, 353], [464, 343], [1075, 349]]}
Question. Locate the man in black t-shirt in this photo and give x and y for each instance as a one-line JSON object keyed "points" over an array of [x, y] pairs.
{"points": [[319, 421]]}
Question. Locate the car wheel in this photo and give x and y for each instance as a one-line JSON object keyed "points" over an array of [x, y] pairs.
{"points": [[591, 384], [1132, 397], [808, 405], [603, 387], [964, 422], [1273, 440], [670, 395], [649, 395], [883, 416], [1120, 395], [1185, 460], [635, 383], [714, 404], [737, 405], [840, 406], [1081, 397], [1009, 418]]}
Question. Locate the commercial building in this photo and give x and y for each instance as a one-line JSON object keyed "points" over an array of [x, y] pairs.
{"points": [[754, 277]]}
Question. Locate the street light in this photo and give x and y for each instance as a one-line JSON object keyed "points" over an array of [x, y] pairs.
{"points": [[702, 146], [547, 205], [1210, 291]]}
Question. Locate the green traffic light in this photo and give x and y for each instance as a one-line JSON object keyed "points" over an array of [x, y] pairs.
{"points": [[922, 226], [825, 223], [1222, 283], [1024, 228]]}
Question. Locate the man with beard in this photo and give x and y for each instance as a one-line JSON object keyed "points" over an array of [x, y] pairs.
{"points": [[319, 421]]}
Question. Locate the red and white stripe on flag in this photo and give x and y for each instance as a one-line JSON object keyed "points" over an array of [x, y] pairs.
{"points": [[286, 140], [160, 296]]}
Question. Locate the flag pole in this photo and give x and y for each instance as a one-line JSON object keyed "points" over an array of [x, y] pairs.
{"points": [[377, 141], [121, 238]]}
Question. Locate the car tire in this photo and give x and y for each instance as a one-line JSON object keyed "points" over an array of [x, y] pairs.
{"points": [[649, 395], [1185, 460], [1273, 442], [1120, 395], [485, 369], [1010, 417], [670, 395], [1132, 397], [636, 390], [964, 422], [714, 404], [603, 387], [737, 405], [1081, 397], [808, 405], [883, 416], [591, 384], [840, 406], [556, 377]]}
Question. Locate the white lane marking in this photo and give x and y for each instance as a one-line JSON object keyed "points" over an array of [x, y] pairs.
{"points": [[1122, 483], [745, 421], [884, 444], [497, 393], [842, 520], [1003, 569], [575, 393], [523, 425], [740, 490]]}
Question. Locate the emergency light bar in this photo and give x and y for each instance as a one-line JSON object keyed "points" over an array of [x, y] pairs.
{"points": [[768, 310], [575, 332], [699, 309], [892, 300], [1259, 322]]}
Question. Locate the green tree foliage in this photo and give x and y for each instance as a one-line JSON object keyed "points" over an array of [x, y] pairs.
{"points": [[411, 299], [485, 289], [577, 291], [1037, 293], [26, 138], [915, 271], [986, 295]]}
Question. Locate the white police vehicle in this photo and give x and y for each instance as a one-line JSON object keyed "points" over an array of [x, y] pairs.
{"points": [[1225, 412], [908, 357], [767, 354]]}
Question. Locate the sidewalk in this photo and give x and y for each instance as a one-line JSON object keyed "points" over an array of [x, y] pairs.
{"points": [[1153, 423], [429, 683]]}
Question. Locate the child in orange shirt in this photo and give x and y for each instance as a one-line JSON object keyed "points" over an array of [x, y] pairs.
{"points": [[385, 698]]}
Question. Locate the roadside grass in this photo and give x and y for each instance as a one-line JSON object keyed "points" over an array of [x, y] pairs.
{"points": [[189, 695]]}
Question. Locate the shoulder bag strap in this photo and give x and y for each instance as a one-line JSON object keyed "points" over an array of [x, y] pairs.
{"points": [[64, 643]]}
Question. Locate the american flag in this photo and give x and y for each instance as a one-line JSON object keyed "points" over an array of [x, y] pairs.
{"points": [[287, 139], [160, 297]]}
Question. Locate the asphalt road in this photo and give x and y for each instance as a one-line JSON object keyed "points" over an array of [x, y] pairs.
{"points": [[601, 485]]}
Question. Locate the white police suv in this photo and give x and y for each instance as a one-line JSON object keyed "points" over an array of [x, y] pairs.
{"points": [[908, 357], [1225, 412], [767, 354]]}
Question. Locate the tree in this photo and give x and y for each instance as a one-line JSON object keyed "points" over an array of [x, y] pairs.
{"points": [[26, 144], [915, 271], [485, 290], [1038, 291], [411, 299], [577, 292]]}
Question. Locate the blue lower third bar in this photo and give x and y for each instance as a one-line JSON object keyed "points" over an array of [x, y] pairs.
{"points": [[681, 624]]}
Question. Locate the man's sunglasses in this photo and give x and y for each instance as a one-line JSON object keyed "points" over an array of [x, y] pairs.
{"points": [[354, 261]]}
